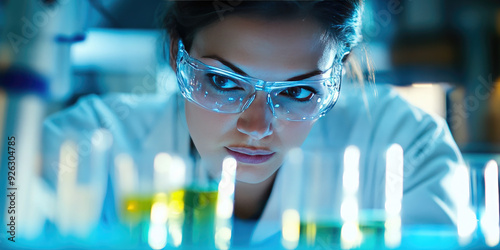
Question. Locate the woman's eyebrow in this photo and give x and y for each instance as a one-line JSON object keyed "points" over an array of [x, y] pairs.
{"points": [[306, 75], [227, 64], [241, 72]]}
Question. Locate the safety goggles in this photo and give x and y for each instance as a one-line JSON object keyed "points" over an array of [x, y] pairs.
{"points": [[224, 91]]}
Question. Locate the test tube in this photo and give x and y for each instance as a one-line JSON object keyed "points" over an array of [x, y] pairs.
{"points": [[157, 232], [466, 218], [225, 203], [126, 173], [490, 218], [66, 186], [177, 178], [169, 172], [393, 195], [350, 234], [101, 141], [131, 206], [290, 229], [167, 208], [199, 201], [92, 181], [290, 220], [162, 163]]}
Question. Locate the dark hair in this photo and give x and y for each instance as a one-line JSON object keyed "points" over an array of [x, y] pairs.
{"points": [[340, 18]]}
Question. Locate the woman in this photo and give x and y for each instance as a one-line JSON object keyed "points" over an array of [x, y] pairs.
{"points": [[258, 128], [255, 77]]}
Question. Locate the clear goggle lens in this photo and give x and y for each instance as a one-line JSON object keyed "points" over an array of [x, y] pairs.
{"points": [[227, 92]]}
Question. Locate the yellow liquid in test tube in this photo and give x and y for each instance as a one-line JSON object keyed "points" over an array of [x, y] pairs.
{"points": [[327, 235], [191, 214], [200, 215], [136, 208]]}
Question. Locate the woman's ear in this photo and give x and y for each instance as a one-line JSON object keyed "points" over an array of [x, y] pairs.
{"points": [[346, 57], [173, 49], [346, 62]]}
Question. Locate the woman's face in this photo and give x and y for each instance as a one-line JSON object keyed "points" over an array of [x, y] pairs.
{"points": [[269, 50]]}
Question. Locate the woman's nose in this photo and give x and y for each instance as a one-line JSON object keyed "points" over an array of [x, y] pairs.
{"points": [[256, 120]]}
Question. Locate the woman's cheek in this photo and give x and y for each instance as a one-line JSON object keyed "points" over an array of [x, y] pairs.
{"points": [[208, 129], [293, 133]]}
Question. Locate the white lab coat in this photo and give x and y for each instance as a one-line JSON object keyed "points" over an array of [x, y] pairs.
{"points": [[145, 125]]}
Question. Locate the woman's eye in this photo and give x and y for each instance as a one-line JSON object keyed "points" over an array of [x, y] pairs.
{"points": [[222, 82], [299, 93]]}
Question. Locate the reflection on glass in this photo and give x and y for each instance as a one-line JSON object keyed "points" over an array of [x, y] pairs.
{"points": [[393, 195], [325, 213], [466, 218], [225, 203], [290, 229], [351, 236], [490, 217]]}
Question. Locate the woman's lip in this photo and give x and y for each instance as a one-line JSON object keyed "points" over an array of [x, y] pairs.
{"points": [[250, 151], [250, 156]]}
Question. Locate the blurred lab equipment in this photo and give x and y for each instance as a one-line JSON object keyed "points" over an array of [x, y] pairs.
{"points": [[179, 205], [315, 214], [329, 211], [34, 70]]}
